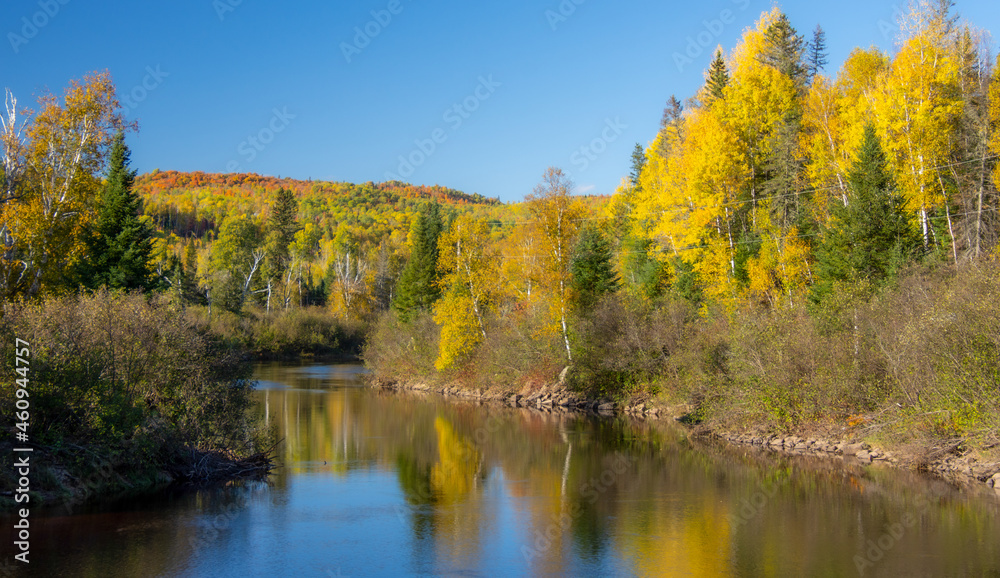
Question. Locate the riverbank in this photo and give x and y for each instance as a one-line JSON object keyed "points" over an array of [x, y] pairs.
{"points": [[970, 469], [121, 394]]}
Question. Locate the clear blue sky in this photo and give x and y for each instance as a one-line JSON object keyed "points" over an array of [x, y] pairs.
{"points": [[535, 81]]}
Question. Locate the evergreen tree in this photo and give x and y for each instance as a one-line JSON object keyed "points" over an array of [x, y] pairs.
{"points": [[718, 76], [671, 113], [638, 163], [417, 288], [670, 123], [593, 274], [872, 236], [817, 58], [280, 232], [785, 49], [119, 244]]}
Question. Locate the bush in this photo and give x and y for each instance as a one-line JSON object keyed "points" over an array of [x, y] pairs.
{"points": [[129, 376]]}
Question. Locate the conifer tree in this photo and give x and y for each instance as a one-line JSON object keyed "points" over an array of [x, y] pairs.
{"points": [[718, 76], [119, 245], [638, 163], [593, 274], [417, 288], [872, 236], [817, 57], [784, 49]]}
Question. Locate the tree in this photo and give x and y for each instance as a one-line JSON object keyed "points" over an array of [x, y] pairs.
{"points": [[638, 163], [557, 217], [236, 259], [418, 284], [282, 224], [50, 186], [718, 76], [469, 262], [190, 290], [816, 57], [593, 274], [871, 237], [119, 244], [784, 49]]}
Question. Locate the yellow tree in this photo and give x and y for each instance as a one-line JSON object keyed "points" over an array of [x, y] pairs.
{"points": [[834, 117], [557, 216], [469, 262], [995, 120], [51, 180], [922, 104]]}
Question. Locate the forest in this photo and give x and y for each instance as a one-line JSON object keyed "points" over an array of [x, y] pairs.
{"points": [[795, 247]]}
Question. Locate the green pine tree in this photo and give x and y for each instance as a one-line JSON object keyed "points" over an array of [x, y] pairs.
{"points": [[593, 273], [417, 288], [872, 236], [280, 231], [718, 76], [638, 163], [785, 50], [816, 58], [119, 244]]}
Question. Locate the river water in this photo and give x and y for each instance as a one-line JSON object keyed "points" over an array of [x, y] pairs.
{"points": [[391, 484]]}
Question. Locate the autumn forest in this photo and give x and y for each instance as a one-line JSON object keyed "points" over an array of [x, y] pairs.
{"points": [[795, 247]]}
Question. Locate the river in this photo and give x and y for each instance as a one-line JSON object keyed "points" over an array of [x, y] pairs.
{"points": [[376, 483]]}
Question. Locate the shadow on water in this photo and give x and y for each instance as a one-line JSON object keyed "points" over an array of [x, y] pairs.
{"points": [[383, 483]]}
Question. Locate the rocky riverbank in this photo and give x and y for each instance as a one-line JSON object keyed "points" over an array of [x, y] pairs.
{"points": [[961, 470]]}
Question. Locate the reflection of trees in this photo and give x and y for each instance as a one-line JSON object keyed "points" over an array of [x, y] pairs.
{"points": [[674, 510]]}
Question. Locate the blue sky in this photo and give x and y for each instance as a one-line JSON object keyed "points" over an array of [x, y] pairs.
{"points": [[480, 97]]}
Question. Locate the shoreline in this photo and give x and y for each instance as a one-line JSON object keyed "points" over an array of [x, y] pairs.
{"points": [[963, 472], [100, 480]]}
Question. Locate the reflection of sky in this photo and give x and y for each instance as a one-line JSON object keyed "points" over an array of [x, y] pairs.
{"points": [[323, 377], [385, 484]]}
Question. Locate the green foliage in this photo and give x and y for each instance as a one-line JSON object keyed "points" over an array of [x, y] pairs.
{"points": [[816, 57], [645, 274], [872, 237], [718, 76], [418, 289], [120, 243], [236, 261], [593, 274], [785, 49], [638, 163], [126, 376]]}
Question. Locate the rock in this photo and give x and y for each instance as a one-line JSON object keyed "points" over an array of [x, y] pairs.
{"points": [[606, 407], [853, 449], [863, 456], [996, 481], [801, 446]]}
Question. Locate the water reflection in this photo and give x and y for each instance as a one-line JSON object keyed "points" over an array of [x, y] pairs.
{"points": [[379, 483]]}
